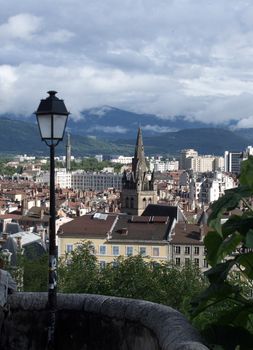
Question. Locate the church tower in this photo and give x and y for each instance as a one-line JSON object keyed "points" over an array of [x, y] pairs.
{"points": [[138, 187], [68, 153]]}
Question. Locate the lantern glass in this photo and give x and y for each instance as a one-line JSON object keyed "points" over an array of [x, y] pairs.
{"points": [[59, 126], [52, 126]]}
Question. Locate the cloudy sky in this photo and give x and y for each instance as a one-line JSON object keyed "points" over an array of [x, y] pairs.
{"points": [[167, 57]]}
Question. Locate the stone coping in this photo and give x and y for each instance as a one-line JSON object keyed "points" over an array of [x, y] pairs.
{"points": [[170, 327]]}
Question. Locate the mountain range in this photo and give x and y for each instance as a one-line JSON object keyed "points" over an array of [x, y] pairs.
{"points": [[112, 131]]}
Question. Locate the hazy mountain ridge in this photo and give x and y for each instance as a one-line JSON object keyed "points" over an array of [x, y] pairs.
{"points": [[19, 137], [113, 123], [246, 134]]}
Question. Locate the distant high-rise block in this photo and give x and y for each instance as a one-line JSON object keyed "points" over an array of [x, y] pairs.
{"points": [[232, 162], [68, 153]]}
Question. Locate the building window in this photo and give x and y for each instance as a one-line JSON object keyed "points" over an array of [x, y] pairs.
{"points": [[69, 248], [178, 261], [143, 251], [155, 251], [91, 248], [129, 251], [187, 250], [115, 264], [127, 202], [196, 262], [205, 263], [187, 261], [102, 264], [177, 249], [115, 250], [102, 249], [132, 203], [196, 250]]}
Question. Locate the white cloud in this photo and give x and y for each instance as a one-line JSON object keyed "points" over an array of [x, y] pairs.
{"points": [[100, 111], [157, 128], [245, 123], [20, 26], [108, 129], [184, 57], [59, 36]]}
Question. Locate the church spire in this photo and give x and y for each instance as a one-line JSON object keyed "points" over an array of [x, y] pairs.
{"points": [[139, 165], [138, 186], [68, 153]]}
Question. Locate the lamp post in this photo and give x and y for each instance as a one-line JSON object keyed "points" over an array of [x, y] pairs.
{"points": [[52, 117]]}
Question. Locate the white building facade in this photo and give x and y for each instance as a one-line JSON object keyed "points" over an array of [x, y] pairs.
{"points": [[209, 189], [232, 162], [163, 166], [81, 180]]}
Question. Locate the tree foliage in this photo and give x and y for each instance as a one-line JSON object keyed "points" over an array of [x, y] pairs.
{"points": [[35, 277], [86, 164], [131, 277], [225, 308], [6, 170]]}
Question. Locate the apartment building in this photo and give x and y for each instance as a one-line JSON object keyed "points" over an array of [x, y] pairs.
{"points": [[117, 235], [207, 188], [122, 160], [163, 166], [82, 180], [232, 162], [161, 238], [202, 164], [186, 153], [186, 245]]}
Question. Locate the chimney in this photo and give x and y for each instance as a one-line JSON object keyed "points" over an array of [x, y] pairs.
{"points": [[43, 235], [124, 231], [108, 236], [201, 233], [24, 206], [5, 236], [18, 238]]}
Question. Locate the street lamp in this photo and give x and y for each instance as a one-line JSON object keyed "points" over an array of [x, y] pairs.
{"points": [[52, 118]]}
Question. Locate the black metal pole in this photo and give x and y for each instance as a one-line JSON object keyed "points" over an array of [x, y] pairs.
{"points": [[52, 273]]}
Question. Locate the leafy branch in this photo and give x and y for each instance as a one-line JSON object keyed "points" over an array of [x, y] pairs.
{"points": [[229, 249]]}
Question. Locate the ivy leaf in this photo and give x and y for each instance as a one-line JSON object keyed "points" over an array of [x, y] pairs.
{"points": [[228, 246], [246, 174], [229, 201], [238, 315], [249, 239], [237, 223], [212, 242], [228, 337], [215, 293], [219, 272], [246, 260]]}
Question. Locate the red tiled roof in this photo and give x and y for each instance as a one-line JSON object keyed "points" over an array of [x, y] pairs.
{"points": [[87, 226], [189, 234], [127, 230], [10, 216]]}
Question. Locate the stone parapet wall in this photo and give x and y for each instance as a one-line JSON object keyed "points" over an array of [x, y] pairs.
{"points": [[95, 322]]}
